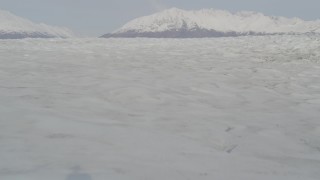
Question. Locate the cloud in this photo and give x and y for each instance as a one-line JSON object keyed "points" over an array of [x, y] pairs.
{"points": [[157, 5]]}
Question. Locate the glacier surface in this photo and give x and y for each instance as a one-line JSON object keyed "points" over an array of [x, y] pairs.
{"points": [[225, 108]]}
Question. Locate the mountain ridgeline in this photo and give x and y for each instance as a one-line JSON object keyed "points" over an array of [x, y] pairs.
{"points": [[177, 23], [14, 27]]}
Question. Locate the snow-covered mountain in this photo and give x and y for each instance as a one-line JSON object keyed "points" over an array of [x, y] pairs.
{"points": [[177, 23], [14, 27]]}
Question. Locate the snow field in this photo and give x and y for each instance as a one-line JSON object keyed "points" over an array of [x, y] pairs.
{"points": [[221, 108]]}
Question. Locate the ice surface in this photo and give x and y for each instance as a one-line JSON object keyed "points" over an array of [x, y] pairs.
{"points": [[97, 109]]}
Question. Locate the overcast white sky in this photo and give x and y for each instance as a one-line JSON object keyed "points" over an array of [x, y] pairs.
{"points": [[96, 17]]}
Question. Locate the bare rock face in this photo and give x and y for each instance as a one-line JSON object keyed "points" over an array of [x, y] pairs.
{"points": [[176, 23], [14, 27], [22, 35]]}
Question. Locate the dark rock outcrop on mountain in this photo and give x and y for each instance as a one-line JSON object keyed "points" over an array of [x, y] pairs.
{"points": [[24, 35], [198, 33]]}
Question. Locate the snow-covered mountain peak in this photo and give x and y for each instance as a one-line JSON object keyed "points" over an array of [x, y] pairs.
{"points": [[212, 21], [248, 13], [12, 26], [173, 11]]}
